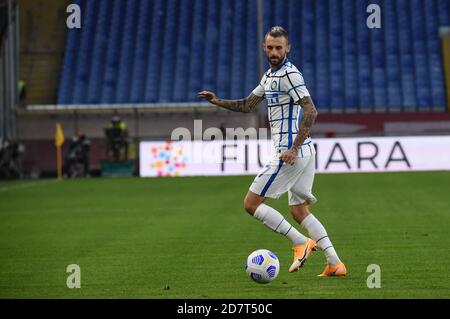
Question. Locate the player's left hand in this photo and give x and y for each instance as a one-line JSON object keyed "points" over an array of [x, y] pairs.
{"points": [[289, 156]]}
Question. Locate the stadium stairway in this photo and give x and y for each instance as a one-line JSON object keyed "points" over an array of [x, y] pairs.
{"points": [[41, 48]]}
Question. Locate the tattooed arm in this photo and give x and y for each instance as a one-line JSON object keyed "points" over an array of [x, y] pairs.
{"points": [[246, 105], [308, 118]]}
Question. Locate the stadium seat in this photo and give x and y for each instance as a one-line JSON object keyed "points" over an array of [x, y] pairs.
{"points": [[321, 92], [226, 51], [237, 51], [126, 61], [406, 56], [336, 65], [95, 79], [197, 51], [435, 75], [182, 61], [141, 53], [252, 50], [378, 63], [211, 44], [68, 68], [84, 56], [155, 56], [393, 71], [350, 65], [167, 58]]}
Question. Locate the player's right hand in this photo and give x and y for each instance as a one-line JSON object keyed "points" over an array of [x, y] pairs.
{"points": [[209, 96]]}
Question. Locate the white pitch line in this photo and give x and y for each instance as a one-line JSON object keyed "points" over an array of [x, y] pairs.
{"points": [[26, 185]]}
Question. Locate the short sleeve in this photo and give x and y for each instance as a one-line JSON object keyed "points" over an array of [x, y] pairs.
{"points": [[294, 85], [259, 90]]}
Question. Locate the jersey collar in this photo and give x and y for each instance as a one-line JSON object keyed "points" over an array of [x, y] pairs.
{"points": [[283, 64]]}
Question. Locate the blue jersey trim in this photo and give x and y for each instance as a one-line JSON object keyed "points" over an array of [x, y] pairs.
{"points": [[282, 122], [295, 87], [271, 179], [291, 108]]}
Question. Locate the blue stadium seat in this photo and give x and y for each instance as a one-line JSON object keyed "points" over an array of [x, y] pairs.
{"points": [[269, 19], [420, 55], [182, 59], [99, 52], [392, 53], [336, 65], [167, 59], [364, 57], [406, 56], [307, 67], [378, 63], [109, 87], [224, 66], [435, 76], [211, 49], [321, 91], [237, 55], [197, 52], [68, 68], [444, 12], [84, 57], [252, 50], [350, 63], [127, 52], [141, 53], [155, 52], [295, 33]]}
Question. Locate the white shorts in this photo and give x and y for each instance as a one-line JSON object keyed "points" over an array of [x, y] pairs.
{"points": [[277, 178]]}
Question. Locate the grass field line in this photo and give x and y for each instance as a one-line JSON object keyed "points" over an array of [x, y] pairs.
{"points": [[27, 185]]}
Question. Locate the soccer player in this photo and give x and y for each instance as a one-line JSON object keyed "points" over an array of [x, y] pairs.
{"points": [[291, 113]]}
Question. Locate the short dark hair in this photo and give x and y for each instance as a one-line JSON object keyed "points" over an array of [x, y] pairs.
{"points": [[276, 32]]}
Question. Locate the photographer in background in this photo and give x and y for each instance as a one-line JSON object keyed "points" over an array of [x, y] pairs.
{"points": [[117, 139], [76, 163]]}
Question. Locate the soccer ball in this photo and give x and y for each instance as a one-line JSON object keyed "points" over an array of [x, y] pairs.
{"points": [[262, 266]]}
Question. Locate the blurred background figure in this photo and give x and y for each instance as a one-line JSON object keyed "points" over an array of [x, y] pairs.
{"points": [[22, 89], [117, 139], [10, 166], [76, 163]]}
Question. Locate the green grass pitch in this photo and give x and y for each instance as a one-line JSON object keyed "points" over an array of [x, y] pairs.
{"points": [[189, 238]]}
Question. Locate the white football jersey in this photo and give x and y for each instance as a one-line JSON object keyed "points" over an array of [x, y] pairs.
{"points": [[283, 88]]}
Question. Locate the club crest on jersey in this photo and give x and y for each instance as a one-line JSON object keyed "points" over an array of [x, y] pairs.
{"points": [[273, 85]]}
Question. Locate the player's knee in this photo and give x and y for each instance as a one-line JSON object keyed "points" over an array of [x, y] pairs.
{"points": [[249, 206]]}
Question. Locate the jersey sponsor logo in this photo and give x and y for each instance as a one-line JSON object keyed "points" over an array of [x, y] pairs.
{"points": [[272, 98]]}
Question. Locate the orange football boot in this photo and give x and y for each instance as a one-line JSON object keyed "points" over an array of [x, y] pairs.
{"points": [[337, 270], [301, 253]]}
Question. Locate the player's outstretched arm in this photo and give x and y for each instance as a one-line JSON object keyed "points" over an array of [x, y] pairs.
{"points": [[308, 118], [246, 105]]}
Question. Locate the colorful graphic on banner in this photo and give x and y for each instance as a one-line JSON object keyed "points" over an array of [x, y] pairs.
{"points": [[168, 159]]}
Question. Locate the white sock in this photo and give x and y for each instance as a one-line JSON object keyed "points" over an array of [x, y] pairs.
{"points": [[319, 234], [275, 221]]}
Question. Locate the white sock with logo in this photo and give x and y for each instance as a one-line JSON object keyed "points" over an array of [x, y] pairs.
{"points": [[275, 221], [317, 232]]}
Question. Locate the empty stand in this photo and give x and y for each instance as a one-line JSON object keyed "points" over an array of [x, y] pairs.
{"points": [[165, 51]]}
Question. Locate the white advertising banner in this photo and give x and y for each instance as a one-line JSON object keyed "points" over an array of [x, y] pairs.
{"points": [[334, 155]]}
